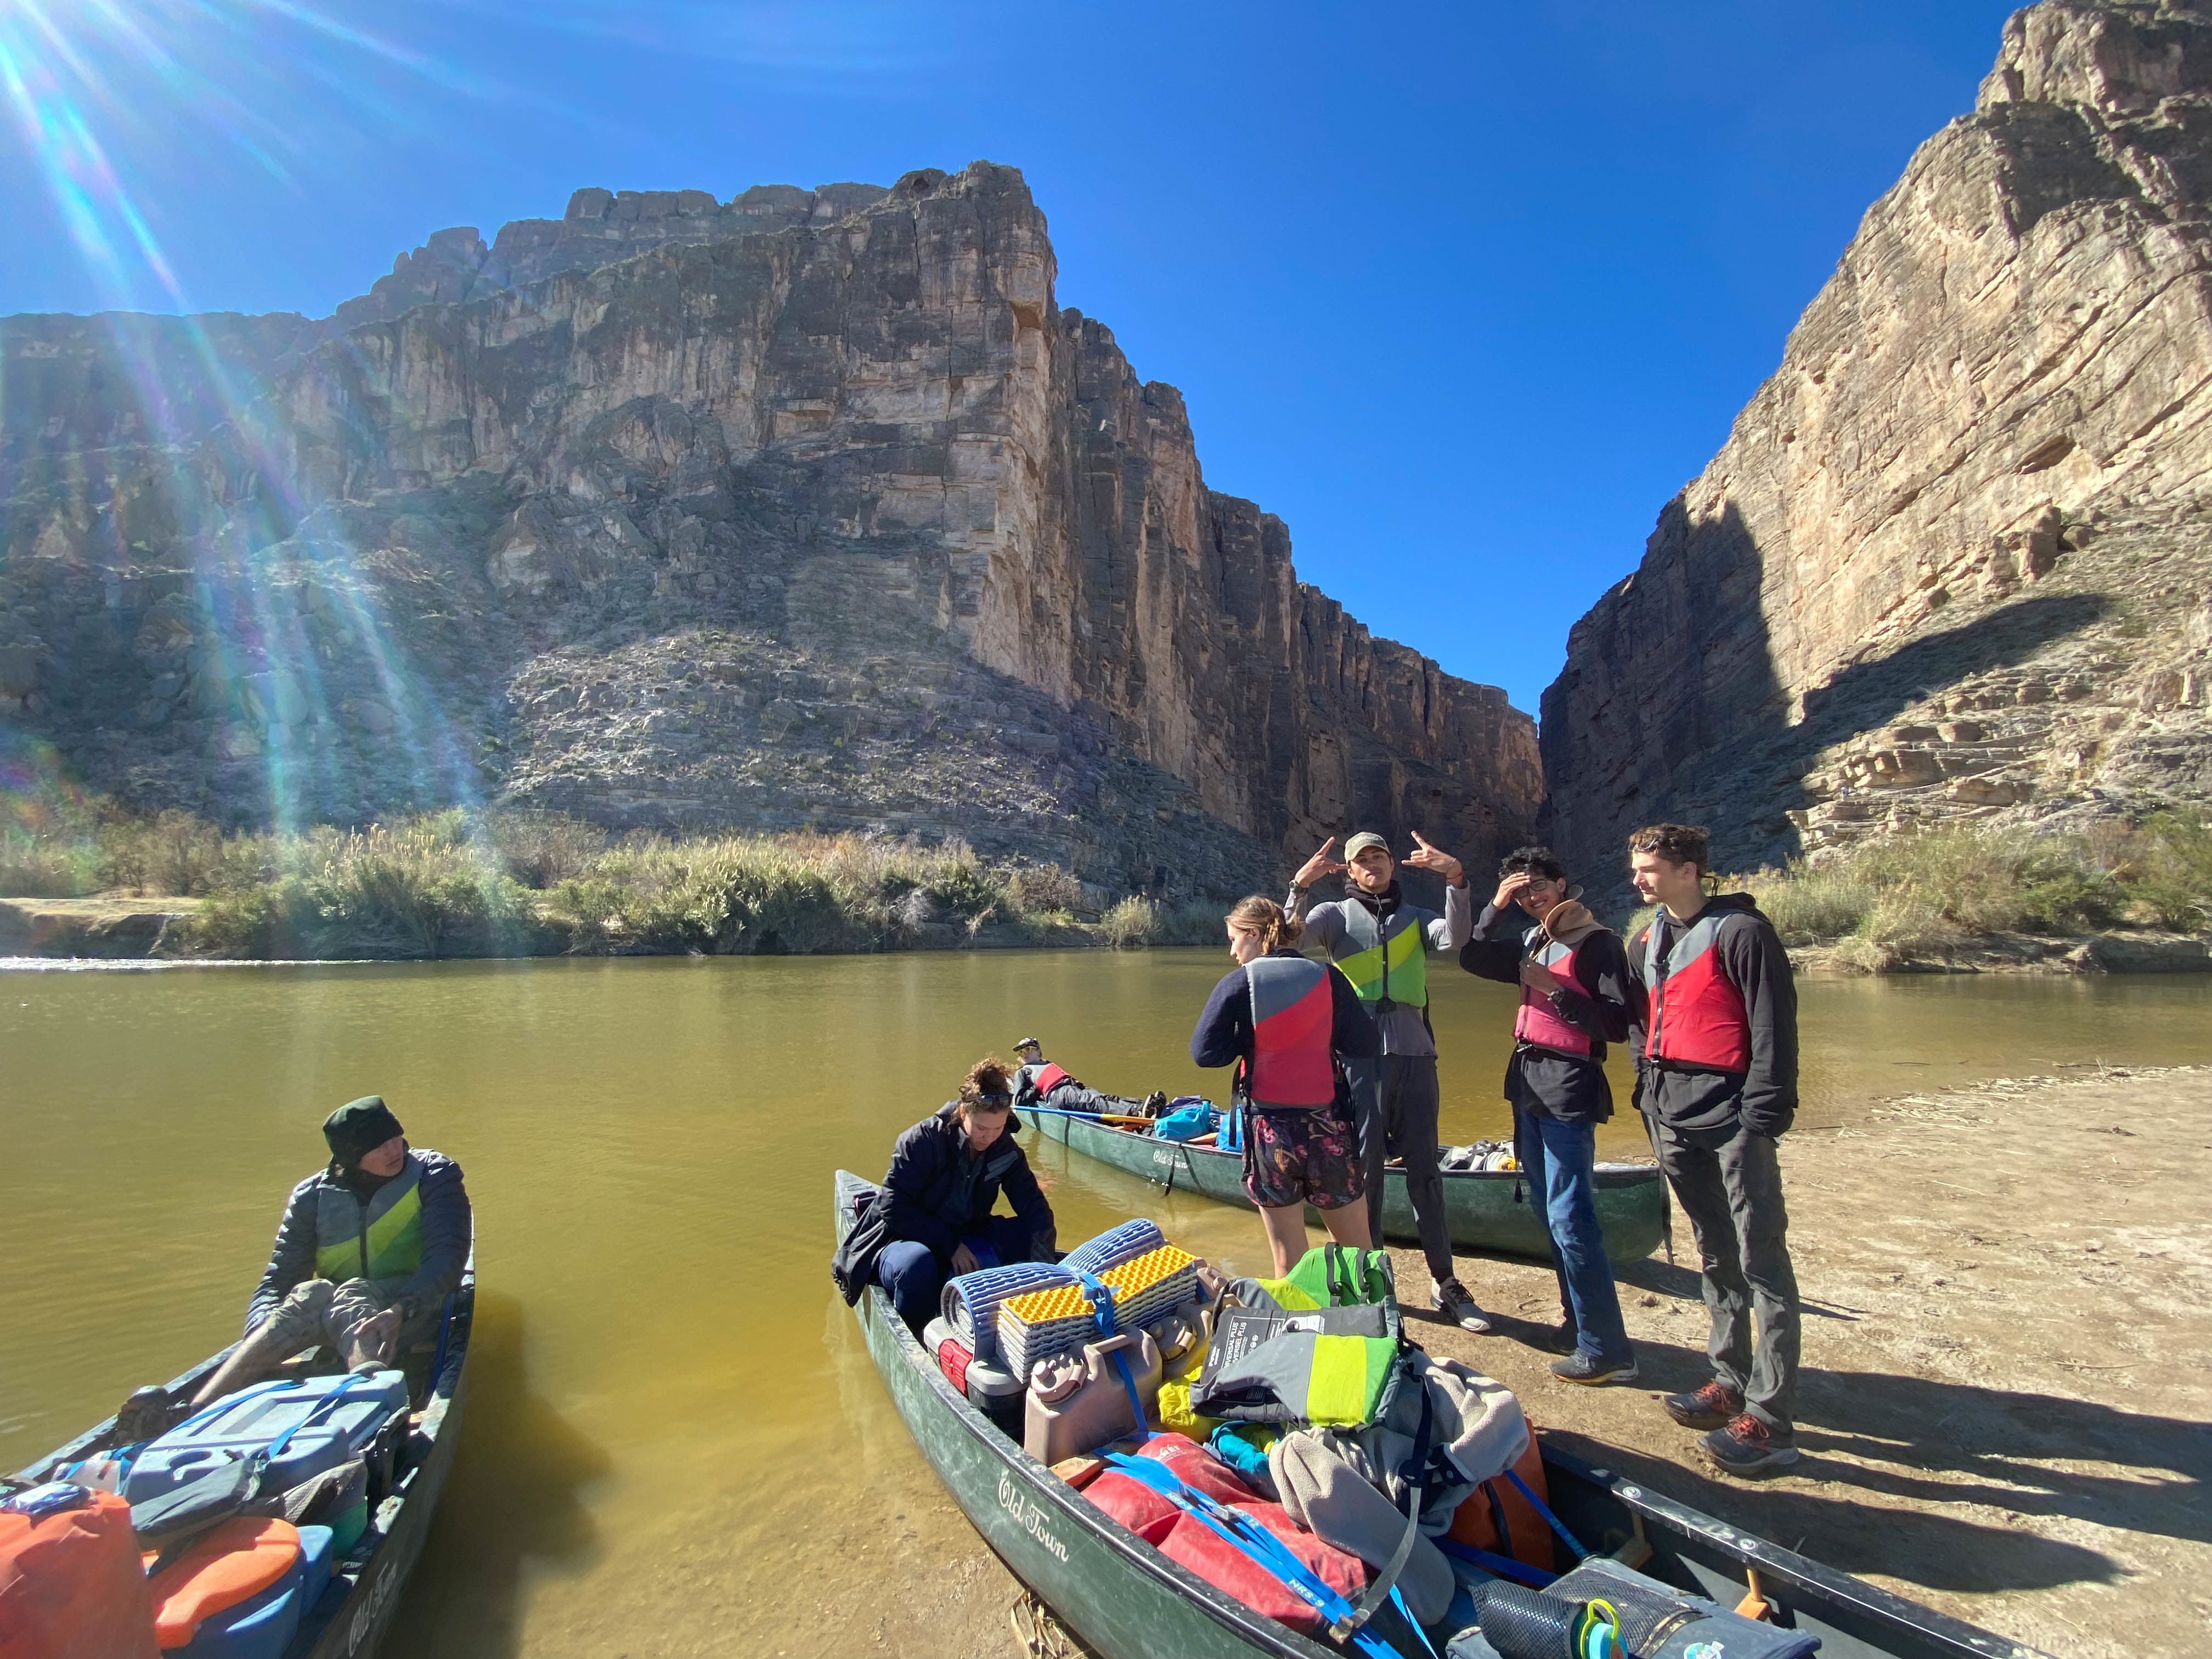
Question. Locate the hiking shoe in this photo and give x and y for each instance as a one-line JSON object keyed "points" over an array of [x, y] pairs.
{"points": [[1156, 1102], [1562, 1338], [1748, 1447], [1453, 1301], [1708, 1407], [1579, 1367], [149, 1413]]}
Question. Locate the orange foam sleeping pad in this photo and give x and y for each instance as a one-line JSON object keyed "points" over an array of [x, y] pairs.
{"points": [[71, 1586], [234, 1563], [1473, 1522]]}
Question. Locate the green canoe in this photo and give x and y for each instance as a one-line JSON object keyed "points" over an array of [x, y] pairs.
{"points": [[1489, 1209], [1127, 1600]]}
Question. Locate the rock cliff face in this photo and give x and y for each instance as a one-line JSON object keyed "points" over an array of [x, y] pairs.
{"points": [[810, 508], [1953, 560]]}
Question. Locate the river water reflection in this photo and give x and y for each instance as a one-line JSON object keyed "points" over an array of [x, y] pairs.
{"points": [[673, 1434]]}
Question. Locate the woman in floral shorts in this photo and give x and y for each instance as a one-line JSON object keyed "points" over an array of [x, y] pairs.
{"points": [[1286, 1024]]}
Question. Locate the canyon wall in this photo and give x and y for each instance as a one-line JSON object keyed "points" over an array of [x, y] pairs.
{"points": [[809, 509], [1953, 562]]}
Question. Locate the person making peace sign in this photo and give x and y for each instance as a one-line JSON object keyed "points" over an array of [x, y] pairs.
{"points": [[1382, 945]]}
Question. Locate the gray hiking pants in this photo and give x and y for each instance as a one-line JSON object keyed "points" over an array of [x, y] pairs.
{"points": [[319, 1314], [1732, 1193], [1394, 1098]]}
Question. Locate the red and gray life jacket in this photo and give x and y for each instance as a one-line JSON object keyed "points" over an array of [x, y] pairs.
{"points": [[1048, 1077], [1538, 1022], [1698, 1015], [1293, 1022]]}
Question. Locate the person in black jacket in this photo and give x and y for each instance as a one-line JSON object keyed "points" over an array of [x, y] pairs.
{"points": [[946, 1174], [1715, 1037], [367, 1251], [1573, 975]]}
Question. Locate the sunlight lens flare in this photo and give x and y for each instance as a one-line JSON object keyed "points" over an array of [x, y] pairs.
{"points": [[86, 86]]}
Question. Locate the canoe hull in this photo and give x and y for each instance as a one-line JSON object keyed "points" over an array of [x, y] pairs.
{"points": [[354, 1614], [1488, 1212], [1125, 1601]]}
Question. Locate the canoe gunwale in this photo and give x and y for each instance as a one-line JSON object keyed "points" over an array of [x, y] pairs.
{"points": [[1785, 1570]]}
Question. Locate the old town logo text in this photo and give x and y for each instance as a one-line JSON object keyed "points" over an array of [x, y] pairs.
{"points": [[1028, 1516]]}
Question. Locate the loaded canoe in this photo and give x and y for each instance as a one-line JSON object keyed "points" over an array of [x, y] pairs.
{"points": [[1127, 1600], [1489, 1210], [357, 1608]]}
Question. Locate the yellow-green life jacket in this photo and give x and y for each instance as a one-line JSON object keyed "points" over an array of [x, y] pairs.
{"points": [[1389, 959], [380, 1240]]}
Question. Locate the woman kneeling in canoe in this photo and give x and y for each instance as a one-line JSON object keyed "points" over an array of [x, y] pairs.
{"points": [[1286, 1022], [946, 1174]]}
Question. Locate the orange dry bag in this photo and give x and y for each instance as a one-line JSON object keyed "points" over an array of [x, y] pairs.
{"points": [[71, 1583], [1497, 1506]]}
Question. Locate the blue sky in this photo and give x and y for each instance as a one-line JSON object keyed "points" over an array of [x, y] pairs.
{"points": [[1464, 293]]}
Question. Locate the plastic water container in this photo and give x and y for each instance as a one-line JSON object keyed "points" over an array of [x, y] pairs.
{"points": [[327, 1420], [1077, 1402], [1183, 1337]]}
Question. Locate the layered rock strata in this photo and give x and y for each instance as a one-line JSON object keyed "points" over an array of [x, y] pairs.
{"points": [[1952, 563], [809, 507]]}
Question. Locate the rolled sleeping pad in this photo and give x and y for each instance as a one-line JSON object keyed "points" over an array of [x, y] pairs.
{"points": [[1529, 1623], [1658, 1621]]}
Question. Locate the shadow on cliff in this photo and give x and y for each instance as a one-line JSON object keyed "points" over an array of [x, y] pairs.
{"points": [[1689, 659]]}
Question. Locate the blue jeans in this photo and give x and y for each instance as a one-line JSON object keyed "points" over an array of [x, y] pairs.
{"points": [[915, 1278], [1560, 1162]]}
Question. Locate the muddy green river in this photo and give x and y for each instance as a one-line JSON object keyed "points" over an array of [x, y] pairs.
{"points": [[673, 1440]]}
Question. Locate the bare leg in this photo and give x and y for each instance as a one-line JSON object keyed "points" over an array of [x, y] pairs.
{"points": [[1347, 1224], [1286, 1234]]}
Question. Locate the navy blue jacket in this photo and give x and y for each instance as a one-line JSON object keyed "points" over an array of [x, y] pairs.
{"points": [[937, 1196], [448, 1229], [1224, 1035]]}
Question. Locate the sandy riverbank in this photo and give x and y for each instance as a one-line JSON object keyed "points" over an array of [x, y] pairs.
{"points": [[2007, 1374], [2008, 1360]]}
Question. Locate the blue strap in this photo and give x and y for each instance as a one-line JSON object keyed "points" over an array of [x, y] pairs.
{"points": [[1254, 1540], [315, 1414], [1142, 1431], [208, 1414], [1102, 1303], [1504, 1566], [1553, 1520]]}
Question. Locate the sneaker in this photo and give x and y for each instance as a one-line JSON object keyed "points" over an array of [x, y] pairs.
{"points": [[1562, 1338], [1746, 1446], [1156, 1102], [1708, 1407], [1579, 1367], [1453, 1301]]}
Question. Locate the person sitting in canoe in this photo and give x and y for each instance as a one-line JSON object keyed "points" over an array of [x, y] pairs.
{"points": [[369, 1248], [946, 1174], [1287, 1024], [1038, 1082]]}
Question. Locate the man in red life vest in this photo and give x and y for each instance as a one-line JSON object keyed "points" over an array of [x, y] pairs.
{"points": [[1573, 976], [1714, 1038]]}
